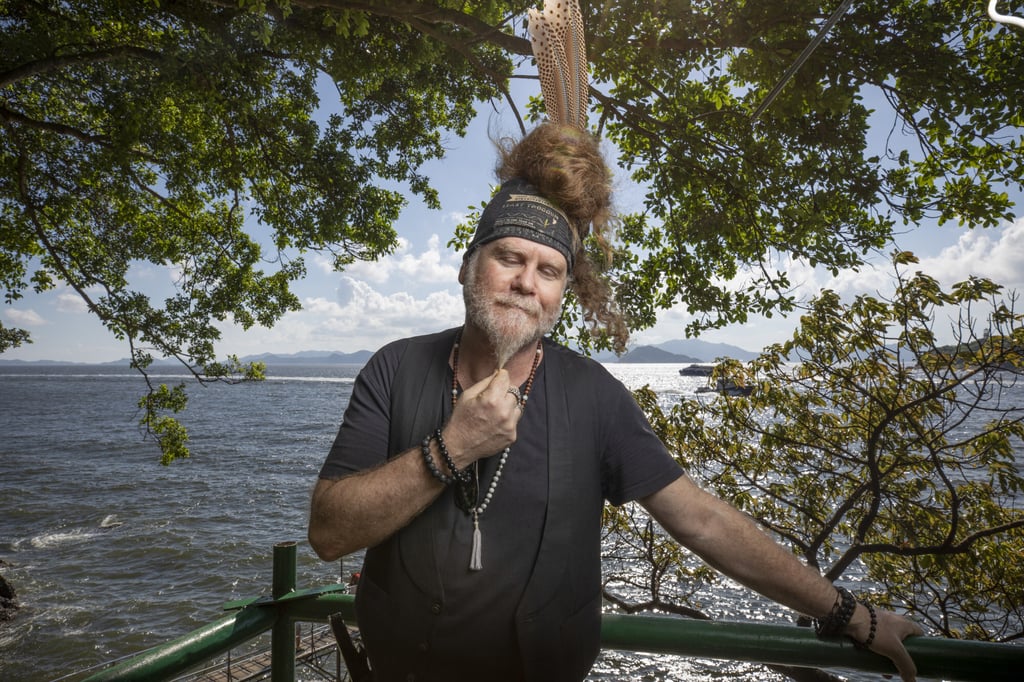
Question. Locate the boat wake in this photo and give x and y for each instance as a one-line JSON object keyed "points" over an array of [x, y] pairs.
{"points": [[67, 536], [58, 539]]}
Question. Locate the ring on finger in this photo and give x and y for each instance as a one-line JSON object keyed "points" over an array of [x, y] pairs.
{"points": [[514, 391]]}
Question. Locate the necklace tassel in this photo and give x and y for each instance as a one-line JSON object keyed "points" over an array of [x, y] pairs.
{"points": [[467, 491], [475, 563]]}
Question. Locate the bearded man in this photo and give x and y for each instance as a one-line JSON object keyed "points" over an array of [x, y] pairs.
{"points": [[473, 464]]}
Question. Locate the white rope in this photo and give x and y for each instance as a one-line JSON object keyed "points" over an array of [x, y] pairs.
{"points": [[1003, 18]]}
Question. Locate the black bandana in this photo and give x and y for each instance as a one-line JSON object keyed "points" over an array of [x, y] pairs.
{"points": [[518, 210]]}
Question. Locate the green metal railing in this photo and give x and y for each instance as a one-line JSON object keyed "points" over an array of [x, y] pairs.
{"points": [[771, 644]]}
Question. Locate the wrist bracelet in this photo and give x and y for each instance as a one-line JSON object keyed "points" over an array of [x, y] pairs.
{"points": [[462, 477], [837, 619], [429, 459], [874, 628]]}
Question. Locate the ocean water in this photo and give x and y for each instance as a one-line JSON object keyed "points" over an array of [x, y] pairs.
{"points": [[111, 553]]}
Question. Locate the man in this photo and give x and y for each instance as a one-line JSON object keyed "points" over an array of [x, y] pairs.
{"points": [[473, 464]]}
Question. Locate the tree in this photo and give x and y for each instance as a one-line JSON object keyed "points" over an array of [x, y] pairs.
{"points": [[162, 132], [182, 133], [870, 450], [727, 193]]}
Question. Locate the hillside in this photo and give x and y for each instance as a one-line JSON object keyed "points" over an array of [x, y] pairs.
{"points": [[312, 358], [653, 354], [681, 351]]}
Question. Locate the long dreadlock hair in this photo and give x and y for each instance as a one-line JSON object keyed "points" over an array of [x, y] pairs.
{"points": [[566, 166]]}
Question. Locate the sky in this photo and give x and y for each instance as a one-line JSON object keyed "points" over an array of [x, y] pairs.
{"points": [[415, 289]]}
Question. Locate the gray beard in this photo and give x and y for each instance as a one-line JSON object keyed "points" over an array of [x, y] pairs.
{"points": [[507, 320]]}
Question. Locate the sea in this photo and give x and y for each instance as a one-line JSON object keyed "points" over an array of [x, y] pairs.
{"points": [[111, 553]]}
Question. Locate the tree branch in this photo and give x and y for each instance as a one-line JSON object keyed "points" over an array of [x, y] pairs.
{"points": [[56, 63], [946, 548]]}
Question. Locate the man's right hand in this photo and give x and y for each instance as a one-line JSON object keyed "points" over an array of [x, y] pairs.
{"points": [[484, 420]]}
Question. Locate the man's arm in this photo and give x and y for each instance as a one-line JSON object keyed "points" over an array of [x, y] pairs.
{"points": [[365, 508], [730, 542]]}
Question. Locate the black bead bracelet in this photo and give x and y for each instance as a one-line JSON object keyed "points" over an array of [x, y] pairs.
{"points": [[429, 459], [465, 476], [874, 628]]}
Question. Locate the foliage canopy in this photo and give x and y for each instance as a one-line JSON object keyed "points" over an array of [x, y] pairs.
{"points": [[880, 457], [184, 133]]}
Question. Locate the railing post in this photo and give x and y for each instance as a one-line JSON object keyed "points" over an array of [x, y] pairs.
{"points": [[282, 635]]}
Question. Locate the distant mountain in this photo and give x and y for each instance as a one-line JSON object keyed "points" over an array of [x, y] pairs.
{"points": [[36, 362], [707, 352], [308, 357], [682, 350], [312, 357], [651, 354]]}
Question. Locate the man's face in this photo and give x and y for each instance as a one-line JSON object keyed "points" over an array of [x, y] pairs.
{"points": [[513, 292]]}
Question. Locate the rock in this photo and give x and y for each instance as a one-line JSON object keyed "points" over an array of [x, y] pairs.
{"points": [[8, 600]]}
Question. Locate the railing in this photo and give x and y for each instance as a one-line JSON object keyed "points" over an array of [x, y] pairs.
{"points": [[771, 644]]}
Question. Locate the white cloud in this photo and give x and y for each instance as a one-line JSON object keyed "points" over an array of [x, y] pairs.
{"points": [[70, 302], [436, 265], [370, 311], [802, 275], [27, 318], [402, 294], [997, 254], [366, 321]]}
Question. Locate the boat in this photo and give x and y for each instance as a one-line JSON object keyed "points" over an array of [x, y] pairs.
{"points": [[724, 386], [727, 387], [697, 370]]}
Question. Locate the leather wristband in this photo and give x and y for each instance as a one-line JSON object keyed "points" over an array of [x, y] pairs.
{"points": [[839, 617]]}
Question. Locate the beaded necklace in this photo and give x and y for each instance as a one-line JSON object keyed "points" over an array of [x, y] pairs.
{"points": [[467, 494]]}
